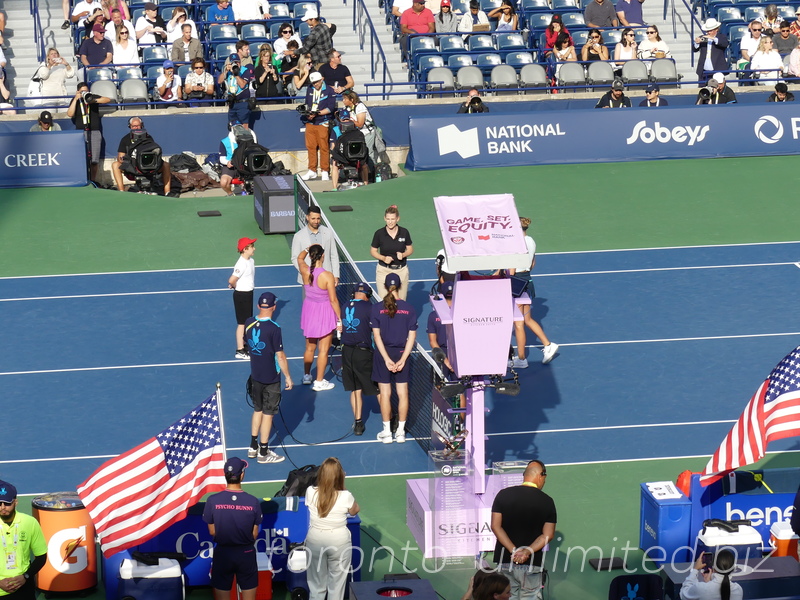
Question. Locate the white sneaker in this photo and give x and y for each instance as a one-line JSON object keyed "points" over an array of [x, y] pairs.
{"points": [[309, 175], [549, 353], [326, 176], [400, 437], [252, 452], [520, 363], [386, 437], [270, 457], [322, 385], [307, 380]]}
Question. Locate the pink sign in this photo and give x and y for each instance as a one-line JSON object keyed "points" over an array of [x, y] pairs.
{"points": [[481, 232]]}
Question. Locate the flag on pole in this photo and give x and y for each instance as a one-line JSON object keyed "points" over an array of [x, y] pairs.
{"points": [[140, 493], [773, 413]]}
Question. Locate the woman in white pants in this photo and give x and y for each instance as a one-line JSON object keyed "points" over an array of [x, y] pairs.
{"points": [[329, 504]]}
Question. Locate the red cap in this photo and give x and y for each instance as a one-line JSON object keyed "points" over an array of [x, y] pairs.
{"points": [[244, 243]]}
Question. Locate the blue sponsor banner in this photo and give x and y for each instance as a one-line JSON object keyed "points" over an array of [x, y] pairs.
{"points": [[608, 135], [42, 159]]}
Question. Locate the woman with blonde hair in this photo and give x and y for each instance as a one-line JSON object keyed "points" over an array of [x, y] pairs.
{"points": [[766, 62], [54, 73], [265, 77], [109, 5], [328, 539], [126, 50]]}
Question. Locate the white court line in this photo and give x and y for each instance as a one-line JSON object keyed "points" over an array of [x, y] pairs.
{"points": [[135, 272], [222, 362], [116, 294]]}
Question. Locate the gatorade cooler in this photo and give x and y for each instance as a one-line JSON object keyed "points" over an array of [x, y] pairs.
{"points": [[71, 553], [783, 539], [138, 581], [745, 543], [264, 591]]}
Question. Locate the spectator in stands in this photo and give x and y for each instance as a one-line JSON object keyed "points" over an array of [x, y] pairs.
{"points": [[417, 19], [243, 51], [150, 27], [116, 23], [781, 94], [794, 62], [507, 19], [770, 19], [95, 18], [337, 76], [716, 92], [54, 74], [236, 78], [472, 103], [564, 51], [84, 110], [629, 12], [600, 13], [626, 48], [221, 13], [45, 123], [401, 6], [97, 50], [766, 63], [749, 43], [186, 48], [126, 50], [266, 78], [199, 84], [251, 10], [110, 6], [446, 20], [6, 107], [175, 25], [321, 103], [360, 115], [553, 30], [652, 97], [653, 46], [595, 48], [168, 85], [82, 11], [794, 28], [615, 97], [711, 46], [288, 68], [280, 46], [300, 78], [318, 43], [474, 20], [786, 41]]}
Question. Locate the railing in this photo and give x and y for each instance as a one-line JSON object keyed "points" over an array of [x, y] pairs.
{"points": [[38, 33], [364, 27]]}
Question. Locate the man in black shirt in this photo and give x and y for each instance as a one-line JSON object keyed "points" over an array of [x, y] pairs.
{"points": [[336, 75], [781, 94], [524, 522], [615, 97], [124, 163], [85, 114]]}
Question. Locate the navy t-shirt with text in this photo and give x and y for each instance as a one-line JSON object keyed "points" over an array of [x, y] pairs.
{"points": [[263, 339], [394, 330]]}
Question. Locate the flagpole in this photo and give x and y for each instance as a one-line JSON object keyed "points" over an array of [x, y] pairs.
{"points": [[221, 421]]}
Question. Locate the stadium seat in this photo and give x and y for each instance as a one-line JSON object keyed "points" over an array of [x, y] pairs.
{"points": [[135, 14], [255, 32], [488, 60], [460, 6], [255, 48], [222, 33], [301, 8], [643, 587], [154, 55], [641, 34], [450, 44], [729, 14], [579, 38], [183, 71], [487, 5], [426, 63], [478, 43], [303, 29], [572, 20], [102, 73], [532, 6], [612, 37], [279, 11], [572, 74], [751, 13], [422, 45], [133, 90], [504, 77], [443, 75], [509, 41], [533, 76], [459, 60], [469, 77], [786, 13], [635, 71], [599, 74], [129, 73], [664, 72], [516, 59], [223, 51], [275, 30], [538, 22], [104, 87], [565, 5]]}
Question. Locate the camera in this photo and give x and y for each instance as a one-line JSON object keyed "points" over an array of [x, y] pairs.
{"points": [[89, 97], [236, 69], [475, 105], [305, 114], [704, 95]]}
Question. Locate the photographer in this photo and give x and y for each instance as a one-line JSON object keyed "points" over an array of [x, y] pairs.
{"points": [[84, 111], [712, 46], [473, 103], [716, 92], [127, 155], [236, 78], [316, 114]]}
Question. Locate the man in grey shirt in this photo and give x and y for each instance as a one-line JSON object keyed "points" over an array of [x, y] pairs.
{"points": [[600, 13], [316, 233]]}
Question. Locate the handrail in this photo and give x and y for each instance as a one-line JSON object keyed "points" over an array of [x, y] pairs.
{"points": [[365, 27], [693, 19], [38, 33]]}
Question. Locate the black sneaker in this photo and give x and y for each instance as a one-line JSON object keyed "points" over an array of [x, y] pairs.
{"points": [[65, 25], [358, 427], [393, 423]]}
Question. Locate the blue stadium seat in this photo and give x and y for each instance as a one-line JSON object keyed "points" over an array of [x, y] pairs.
{"points": [[183, 71], [255, 32], [301, 8], [751, 13], [737, 32], [222, 51], [255, 48], [426, 63], [509, 41], [579, 38], [422, 45], [487, 5], [279, 11], [641, 34], [154, 54], [728, 14], [152, 75], [460, 6], [488, 60], [102, 73], [459, 60], [303, 29], [477, 43], [129, 73], [222, 33], [572, 20], [538, 22], [532, 6], [275, 30], [564, 5], [517, 59], [787, 13], [451, 43]]}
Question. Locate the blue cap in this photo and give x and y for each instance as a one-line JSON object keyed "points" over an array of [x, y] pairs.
{"points": [[267, 300], [364, 289], [235, 466], [8, 493], [392, 279], [234, 58], [447, 289], [168, 64]]}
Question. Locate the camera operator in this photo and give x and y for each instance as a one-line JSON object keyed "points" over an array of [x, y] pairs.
{"points": [[716, 92], [84, 111], [349, 151], [227, 147], [125, 162], [236, 78], [473, 103], [316, 113]]}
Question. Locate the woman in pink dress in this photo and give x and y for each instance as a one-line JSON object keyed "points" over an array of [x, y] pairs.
{"points": [[320, 315]]}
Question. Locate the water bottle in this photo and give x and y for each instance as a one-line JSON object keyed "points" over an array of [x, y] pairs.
{"points": [[378, 177]]}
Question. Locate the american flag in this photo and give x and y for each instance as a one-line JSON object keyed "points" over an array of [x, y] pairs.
{"points": [[140, 493], [773, 413]]}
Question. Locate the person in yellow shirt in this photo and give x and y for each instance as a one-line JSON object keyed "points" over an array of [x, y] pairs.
{"points": [[20, 538]]}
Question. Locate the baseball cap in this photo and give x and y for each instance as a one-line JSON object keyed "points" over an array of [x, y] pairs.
{"points": [[445, 3], [718, 77], [168, 64], [235, 465], [652, 88], [363, 288], [315, 76], [98, 27], [244, 243], [150, 6], [392, 279], [8, 492], [447, 289], [618, 85], [310, 14], [46, 117], [234, 58], [267, 300]]}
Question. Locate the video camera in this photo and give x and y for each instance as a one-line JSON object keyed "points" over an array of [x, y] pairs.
{"points": [[475, 105], [145, 158], [305, 114], [704, 94]]}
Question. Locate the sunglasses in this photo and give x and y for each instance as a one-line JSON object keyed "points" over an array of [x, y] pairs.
{"points": [[630, 35], [651, 32], [594, 37], [754, 29], [286, 31], [782, 30], [123, 33], [199, 67], [6, 503]]}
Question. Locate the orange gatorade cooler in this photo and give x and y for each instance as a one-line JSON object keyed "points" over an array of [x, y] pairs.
{"points": [[71, 553], [783, 539]]}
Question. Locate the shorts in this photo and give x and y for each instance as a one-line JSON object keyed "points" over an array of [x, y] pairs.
{"points": [[357, 370], [226, 170], [239, 111], [243, 303], [380, 374], [234, 560], [266, 397], [95, 140]]}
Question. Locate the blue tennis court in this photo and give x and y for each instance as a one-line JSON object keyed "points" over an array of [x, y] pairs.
{"points": [[660, 351]]}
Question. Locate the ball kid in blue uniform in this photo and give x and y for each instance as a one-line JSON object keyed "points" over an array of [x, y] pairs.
{"points": [[357, 353]]}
